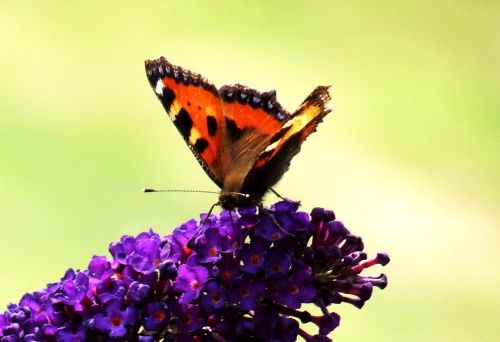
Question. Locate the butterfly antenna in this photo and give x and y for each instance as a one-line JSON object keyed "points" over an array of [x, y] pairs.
{"points": [[179, 190]]}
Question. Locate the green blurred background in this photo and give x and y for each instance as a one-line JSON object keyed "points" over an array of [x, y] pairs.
{"points": [[409, 160]]}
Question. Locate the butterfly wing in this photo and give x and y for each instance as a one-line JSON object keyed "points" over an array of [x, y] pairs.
{"points": [[274, 160], [251, 118], [195, 107]]}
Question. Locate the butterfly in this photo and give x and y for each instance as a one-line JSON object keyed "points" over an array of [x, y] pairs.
{"points": [[243, 138]]}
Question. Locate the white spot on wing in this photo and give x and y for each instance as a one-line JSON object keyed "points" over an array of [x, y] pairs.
{"points": [[159, 87], [272, 146]]}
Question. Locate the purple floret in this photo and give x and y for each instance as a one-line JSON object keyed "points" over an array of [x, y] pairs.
{"points": [[157, 316], [115, 319], [190, 282]]}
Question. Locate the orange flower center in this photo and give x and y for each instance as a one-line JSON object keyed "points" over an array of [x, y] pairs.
{"points": [[216, 297], [195, 284], [186, 250], [276, 236], [116, 321], [213, 251], [255, 259], [294, 289], [187, 319], [244, 291], [159, 315]]}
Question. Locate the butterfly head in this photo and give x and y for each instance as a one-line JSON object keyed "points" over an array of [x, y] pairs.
{"points": [[231, 200]]}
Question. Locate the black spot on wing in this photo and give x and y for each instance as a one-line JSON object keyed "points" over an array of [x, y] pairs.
{"points": [[184, 123], [233, 132], [212, 125], [200, 145], [167, 98]]}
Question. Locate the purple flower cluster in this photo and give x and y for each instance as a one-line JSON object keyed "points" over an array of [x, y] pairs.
{"points": [[244, 277]]}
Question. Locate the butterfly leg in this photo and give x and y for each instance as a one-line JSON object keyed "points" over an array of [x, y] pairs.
{"points": [[261, 208], [281, 197], [193, 238], [276, 193]]}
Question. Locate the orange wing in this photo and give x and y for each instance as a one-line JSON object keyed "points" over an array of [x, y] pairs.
{"points": [[195, 107]]}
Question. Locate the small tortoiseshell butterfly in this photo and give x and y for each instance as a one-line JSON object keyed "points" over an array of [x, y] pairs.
{"points": [[243, 139]]}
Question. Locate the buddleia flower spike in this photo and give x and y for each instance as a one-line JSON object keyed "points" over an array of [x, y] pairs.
{"points": [[155, 288]]}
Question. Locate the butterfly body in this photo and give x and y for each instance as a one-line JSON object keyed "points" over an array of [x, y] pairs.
{"points": [[243, 138]]}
